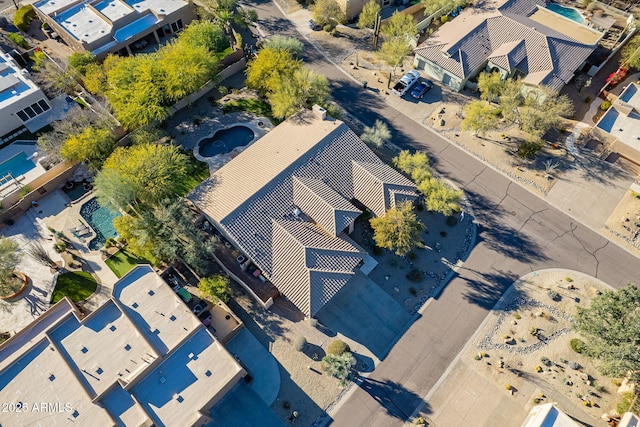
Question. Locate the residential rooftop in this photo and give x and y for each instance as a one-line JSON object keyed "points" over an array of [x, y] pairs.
{"points": [[622, 120], [127, 363], [14, 81]]}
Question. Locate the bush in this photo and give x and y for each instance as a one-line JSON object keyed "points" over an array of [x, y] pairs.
{"points": [[587, 100], [517, 316], [23, 17], [507, 387], [568, 279], [538, 368], [300, 343], [577, 345], [111, 242], [528, 149], [605, 105], [18, 39], [545, 361], [338, 347], [574, 365], [60, 247], [415, 275], [444, 18], [554, 295]]}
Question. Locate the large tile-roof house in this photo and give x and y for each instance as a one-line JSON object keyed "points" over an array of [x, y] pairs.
{"points": [[286, 201], [141, 359], [518, 38]]}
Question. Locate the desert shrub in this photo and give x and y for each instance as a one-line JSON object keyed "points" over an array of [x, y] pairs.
{"points": [[538, 368], [415, 275], [605, 105], [60, 246], [574, 365], [528, 149], [507, 387], [18, 39], [23, 17], [300, 343], [587, 100], [444, 18], [338, 347], [577, 345], [554, 295], [517, 316], [568, 279], [545, 361], [477, 357]]}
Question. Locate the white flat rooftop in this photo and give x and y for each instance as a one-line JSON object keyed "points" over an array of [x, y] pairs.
{"points": [[113, 9], [624, 127], [187, 380], [104, 348], [39, 377], [157, 311], [13, 84], [83, 23], [49, 7]]}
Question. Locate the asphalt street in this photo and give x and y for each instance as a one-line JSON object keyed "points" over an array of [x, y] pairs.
{"points": [[518, 233]]}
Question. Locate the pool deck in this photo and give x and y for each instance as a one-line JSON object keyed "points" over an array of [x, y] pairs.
{"points": [[566, 26]]}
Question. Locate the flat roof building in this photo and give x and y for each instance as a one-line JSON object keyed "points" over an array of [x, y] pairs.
{"points": [[21, 100], [142, 358], [107, 26]]}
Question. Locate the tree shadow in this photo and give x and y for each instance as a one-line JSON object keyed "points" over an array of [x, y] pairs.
{"points": [[486, 289], [314, 352], [363, 363], [396, 399], [495, 232]]}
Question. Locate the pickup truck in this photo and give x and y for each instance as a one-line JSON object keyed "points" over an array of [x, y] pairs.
{"points": [[406, 82]]}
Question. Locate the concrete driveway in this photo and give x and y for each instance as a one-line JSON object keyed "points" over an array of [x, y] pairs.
{"points": [[365, 313]]}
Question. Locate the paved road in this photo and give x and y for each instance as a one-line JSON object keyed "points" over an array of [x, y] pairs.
{"points": [[518, 233]]}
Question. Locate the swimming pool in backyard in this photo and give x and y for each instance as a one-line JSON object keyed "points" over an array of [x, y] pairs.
{"points": [[225, 140], [567, 12], [16, 165], [100, 218]]}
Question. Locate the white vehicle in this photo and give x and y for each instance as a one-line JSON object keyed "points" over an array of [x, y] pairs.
{"points": [[406, 82]]}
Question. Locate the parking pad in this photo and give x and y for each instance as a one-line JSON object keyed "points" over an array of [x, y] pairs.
{"points": [[365, 313]]}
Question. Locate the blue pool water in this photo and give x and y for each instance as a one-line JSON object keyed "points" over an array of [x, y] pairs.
{"points": [[100, 219], [226, 140], [567, 12], [16, 166]]}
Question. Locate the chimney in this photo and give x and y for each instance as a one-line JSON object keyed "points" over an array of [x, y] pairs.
{"points": [[319, 112]]}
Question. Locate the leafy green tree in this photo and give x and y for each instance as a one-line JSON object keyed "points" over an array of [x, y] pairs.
{"points": [[269, 68], [511, 98], [611, 327], [215, 288], [184, 68], [9, 258], [288, 44], [376, 135], [339, 366], [394, 51], [206, 34], [401, 26], [80, 60], [92, 144], [302, 90], [95, 79], [153, 171], [630, 54], [416, 166], [369, 14], [479, 117], [23, 17], [490, 86], [398, 230], [432, 6], [439, 197], [328, 14], [116, 191], [57, 80], [543, 109]]}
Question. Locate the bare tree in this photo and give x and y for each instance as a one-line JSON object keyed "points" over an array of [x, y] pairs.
{"points": [[40, 254]]}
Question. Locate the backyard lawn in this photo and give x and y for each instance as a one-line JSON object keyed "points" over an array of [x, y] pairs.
{"points": [[123, 261], [77, 285], [198, 172]]}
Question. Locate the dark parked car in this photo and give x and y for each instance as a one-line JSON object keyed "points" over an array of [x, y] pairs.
{"points": [[422, 88]]}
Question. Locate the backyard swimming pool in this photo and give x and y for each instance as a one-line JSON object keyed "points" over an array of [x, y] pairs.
{"points": [[99, 218], [16, 165], [225, 140], [567, 12]]}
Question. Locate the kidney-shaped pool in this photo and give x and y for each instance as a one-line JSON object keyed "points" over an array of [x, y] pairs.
{"points": [[225, 140]]}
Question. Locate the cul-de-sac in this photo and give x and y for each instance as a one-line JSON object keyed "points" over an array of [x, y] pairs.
{"points": [[350, 213]]}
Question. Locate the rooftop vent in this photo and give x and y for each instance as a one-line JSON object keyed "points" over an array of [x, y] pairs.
{"points": [[320, 112], [297, 212]]}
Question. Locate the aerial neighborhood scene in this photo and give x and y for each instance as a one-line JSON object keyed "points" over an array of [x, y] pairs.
{"points": [[320, 212]]}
